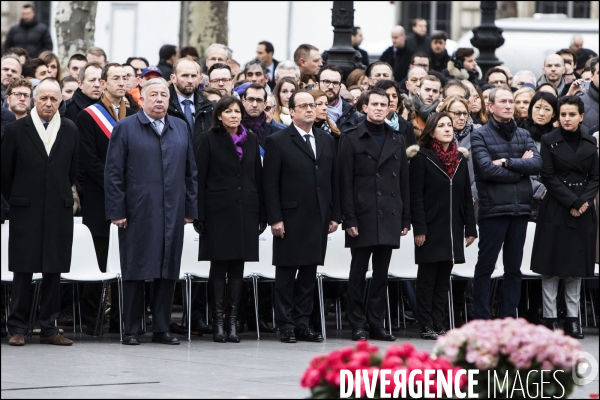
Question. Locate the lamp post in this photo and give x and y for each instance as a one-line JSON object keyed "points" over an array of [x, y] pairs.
{"points": [[487, 37], [342, 53]]}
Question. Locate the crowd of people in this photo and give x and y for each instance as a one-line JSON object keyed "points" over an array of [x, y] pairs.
{"points": [[419, 139]]}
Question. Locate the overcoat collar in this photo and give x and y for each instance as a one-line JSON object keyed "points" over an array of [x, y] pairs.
{"points": [[37, 141], [371, 147], [145, 121], [559, 147]]}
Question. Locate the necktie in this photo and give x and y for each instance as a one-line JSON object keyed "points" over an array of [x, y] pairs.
{"points": [[158, 126], [187, 110], [46, 125], [307, 138]]}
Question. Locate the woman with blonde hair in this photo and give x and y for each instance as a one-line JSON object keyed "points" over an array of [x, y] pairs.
{"points": [[283, 91], [322, 121], [53, 64], [522, 98]]}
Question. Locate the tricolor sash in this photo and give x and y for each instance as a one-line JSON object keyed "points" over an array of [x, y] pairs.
{"points": [[104, 120]]}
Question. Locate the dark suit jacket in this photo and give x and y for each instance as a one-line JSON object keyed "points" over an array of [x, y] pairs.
{"points": [[301, 191], [271, 82]]}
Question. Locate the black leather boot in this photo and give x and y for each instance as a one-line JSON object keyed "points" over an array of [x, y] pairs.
{"points": [[216, 293], [234, 294], [552, 323], [573, 328]]}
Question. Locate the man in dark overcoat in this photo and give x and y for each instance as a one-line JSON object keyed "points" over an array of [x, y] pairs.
{"points": [[375, 197], [301, 195], [95, 124], [40, 154], [150, 186]]}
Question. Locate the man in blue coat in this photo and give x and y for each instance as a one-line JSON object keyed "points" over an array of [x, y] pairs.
{"points": [[151, 188]]}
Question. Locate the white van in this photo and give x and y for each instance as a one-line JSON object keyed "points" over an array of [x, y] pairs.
{"points": [[528, 41]]}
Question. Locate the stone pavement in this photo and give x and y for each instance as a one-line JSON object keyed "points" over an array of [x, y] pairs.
{"points": [[103, 368]]}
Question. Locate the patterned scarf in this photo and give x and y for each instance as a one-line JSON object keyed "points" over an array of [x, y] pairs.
{"points": [[239, 139], [460, 135], [335, 112], [393, 122], [324, 126], [449, 158], [256, 125]]}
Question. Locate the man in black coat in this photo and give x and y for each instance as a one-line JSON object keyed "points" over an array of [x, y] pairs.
{"points": [[39, 165], [30, 34], [418, 40], [357, 38], [375, 197], [301, 195], [186, 102], [504, 156], [95, 124], [398, 55], [88, 93], [439, 54], [254, 100], [264, 52]]}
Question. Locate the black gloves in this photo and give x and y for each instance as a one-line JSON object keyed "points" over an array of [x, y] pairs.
{"points": [[261, 227], [199, 227]]}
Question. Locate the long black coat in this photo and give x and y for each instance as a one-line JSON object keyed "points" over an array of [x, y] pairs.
{"points": [[564, 245], [38, 189], [374, 187], [203, 112], [301, 191], [93, 145], [440, 208], [229, 197], [32, 36], [150, 179]]}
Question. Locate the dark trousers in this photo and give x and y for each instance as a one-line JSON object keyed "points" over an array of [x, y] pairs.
{"points": [[133, 305], [377, 301], [20, 305], [433, 283], [294, 295], [92, 291], [232, 269], [494, 234]]}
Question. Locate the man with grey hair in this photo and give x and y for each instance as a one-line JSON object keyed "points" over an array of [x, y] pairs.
{"points": [[256, 71], [215, 53], [151, 188], [287, 68], [523, 77], [40, 156]]}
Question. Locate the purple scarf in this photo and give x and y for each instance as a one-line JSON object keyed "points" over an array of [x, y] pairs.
{"points": [[238, 141], [256, 125]]}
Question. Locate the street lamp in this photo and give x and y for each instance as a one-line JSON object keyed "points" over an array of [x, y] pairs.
{"points": [[487, 37], [342, 53]]}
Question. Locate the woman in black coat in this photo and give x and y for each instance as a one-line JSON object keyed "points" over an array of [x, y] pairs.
{"points": [[230, 214], [565, 236], [442, 216]]}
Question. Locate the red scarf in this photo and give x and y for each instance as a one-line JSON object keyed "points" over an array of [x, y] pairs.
{"points": [[449, 158]]}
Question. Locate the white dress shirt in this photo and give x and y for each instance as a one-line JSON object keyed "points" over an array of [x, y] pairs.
{"points": [[312, 141]]}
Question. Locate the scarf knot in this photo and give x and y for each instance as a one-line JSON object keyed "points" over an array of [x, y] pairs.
{"points": [[449, 157], [238, 140]]}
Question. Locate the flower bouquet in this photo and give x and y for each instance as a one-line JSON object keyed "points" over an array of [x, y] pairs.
{"points": [[514, 358], [325, 378]]}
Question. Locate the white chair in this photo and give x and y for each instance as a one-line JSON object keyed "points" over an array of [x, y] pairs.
{"points": [[78, 220], [263, 270], [7, 277], [84, 268]]}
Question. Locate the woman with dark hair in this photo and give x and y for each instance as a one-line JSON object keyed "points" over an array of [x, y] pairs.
{"points": [[442, 217], [230, 210], [394, 117], [53, 64], [565, 237], [548, 88], [283, 91]]}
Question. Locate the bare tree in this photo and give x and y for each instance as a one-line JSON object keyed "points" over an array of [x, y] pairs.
{"points": [[203, 23], [75, 23]]}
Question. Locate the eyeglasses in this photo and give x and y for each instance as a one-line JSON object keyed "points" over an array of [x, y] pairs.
{"points": [[19, 94], [251, 100], [312, 106], [327, 82], [268, 108], [459, 114], [220, 81]]}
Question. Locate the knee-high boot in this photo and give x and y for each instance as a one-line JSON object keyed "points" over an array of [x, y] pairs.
{"points": [[216, 295], [234, 294]]}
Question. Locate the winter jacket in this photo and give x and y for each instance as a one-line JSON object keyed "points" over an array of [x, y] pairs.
{"points": [[418, 43], [350, 117], [166, 69], [453, 71], [439, 62], [400, 60], [32, 36], [590, 100], [503, 191]]}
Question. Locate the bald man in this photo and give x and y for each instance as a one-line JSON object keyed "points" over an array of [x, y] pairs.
{"points": [[553, 70], [398, 55]]}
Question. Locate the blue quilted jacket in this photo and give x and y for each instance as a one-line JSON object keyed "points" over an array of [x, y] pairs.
{"points": [[503, 191]]}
